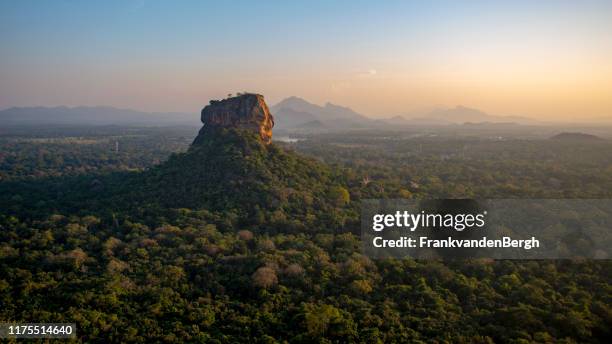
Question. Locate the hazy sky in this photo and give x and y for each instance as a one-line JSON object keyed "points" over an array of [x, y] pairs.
{"points": [[545, 59]]}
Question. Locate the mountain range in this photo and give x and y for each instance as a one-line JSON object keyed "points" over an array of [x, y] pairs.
{"points": [[462, 114], [92, 115], [293, 113], [298, 114]]}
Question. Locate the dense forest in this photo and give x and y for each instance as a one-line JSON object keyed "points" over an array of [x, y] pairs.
{"points": [[234, 241]]}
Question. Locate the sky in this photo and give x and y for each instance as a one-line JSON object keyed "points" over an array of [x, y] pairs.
{"points": [[540, 59]]}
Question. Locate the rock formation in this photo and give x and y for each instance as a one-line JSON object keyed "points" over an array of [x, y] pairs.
{"points": [[247, 111]]}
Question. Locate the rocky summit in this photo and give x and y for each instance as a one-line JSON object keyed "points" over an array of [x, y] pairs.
{"points": [[246, 111]]}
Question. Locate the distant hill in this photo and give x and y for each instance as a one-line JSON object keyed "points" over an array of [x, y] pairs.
{"points": [[295, 112], [452, 116], [91, 115], [291, 118], [576, 137], [316, 124], [462, 114]]}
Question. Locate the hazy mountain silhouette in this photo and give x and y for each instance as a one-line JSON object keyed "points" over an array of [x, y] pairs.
{"points": [[91, 115], [291, 118], [575, 137], [316, 124], [294, 112], [462, 114], [291, 113]]}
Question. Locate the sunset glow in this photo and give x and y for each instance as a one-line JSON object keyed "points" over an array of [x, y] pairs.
{"points": [[546, 60]]}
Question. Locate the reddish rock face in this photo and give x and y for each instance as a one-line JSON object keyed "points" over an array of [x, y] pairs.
{"points": [[247, 111]]}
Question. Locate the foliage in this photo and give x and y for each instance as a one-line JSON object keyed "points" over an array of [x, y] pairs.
{"points": [[240, 242]]}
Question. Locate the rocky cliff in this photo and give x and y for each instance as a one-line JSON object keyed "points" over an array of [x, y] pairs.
{"points": [[247, 111]]}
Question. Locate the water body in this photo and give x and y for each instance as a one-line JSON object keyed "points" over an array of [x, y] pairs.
{"points": [[287, 139]]}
